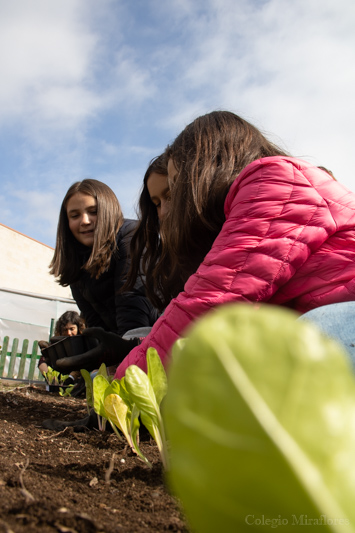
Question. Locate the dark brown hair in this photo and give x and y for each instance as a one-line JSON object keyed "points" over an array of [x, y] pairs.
{"points": [[208, 155], [66, 263], [71, 317], [145, 243]]}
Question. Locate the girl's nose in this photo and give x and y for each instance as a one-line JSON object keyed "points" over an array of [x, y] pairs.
{"points": [[85, 219]]}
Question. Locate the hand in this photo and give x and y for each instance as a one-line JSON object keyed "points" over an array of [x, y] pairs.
{"points": [[111, 350], [44, 359], [43, 345]]}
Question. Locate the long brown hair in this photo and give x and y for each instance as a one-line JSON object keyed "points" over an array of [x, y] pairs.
{"points": [[66, 263], [146, 243], [208, 155]]}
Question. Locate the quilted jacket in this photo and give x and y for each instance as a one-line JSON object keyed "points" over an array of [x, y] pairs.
{"points": [[288, 239]]}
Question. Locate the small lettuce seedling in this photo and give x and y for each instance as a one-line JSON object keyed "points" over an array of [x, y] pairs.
{"points": [[89, 389], [100, 384], [95, 389], [123, 401], [53, 377], [147, 392], [67, 391], [137, 395], [124, 415]]}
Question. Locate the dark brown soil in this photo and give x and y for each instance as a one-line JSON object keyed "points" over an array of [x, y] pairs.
{"points": [[61, 481]]}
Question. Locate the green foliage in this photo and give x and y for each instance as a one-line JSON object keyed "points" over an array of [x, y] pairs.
{"points": [[261, 426], [136, 395], [125, 419], [100, 384], [147, 392], [89, 389], [66, 391], [53, 377]]}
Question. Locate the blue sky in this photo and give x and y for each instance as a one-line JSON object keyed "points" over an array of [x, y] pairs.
{"points": [[96, 88]]}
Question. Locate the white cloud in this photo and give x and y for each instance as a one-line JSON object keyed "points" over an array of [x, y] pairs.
{"points": [[285, 66], [132, 82], [55, 60], [96, 89], [43, 45]]}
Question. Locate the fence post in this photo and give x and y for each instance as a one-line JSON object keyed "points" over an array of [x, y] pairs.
{"points": [[51, 331], [3, 355], [21, 369], [33, 360], [10, 372]]}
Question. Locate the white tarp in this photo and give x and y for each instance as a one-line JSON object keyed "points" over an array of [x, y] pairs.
{"points": [[19, 309], [28, 316]]}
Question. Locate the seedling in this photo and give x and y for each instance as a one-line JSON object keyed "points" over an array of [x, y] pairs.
{"points": [[67, 391], [147, 392], [54, 378], [136, 395], [95, 389]]}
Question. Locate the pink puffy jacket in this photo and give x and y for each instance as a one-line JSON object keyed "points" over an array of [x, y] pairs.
{"points": [[288, 239]]}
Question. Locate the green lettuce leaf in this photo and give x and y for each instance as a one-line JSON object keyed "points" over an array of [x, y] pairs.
{"points": [[142, 393], [260, 414], [100, 384], [141, 388], [116, 411], [156, 374], [89, 388]]}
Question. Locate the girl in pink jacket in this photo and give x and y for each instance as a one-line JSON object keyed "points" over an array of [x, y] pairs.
{"points": [[246, 223]]}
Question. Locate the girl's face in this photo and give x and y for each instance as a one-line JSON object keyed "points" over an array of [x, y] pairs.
{"points": [[82, 217], [70, 330], [159, 193]]}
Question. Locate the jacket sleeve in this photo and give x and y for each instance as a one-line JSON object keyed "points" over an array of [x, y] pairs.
{"points": [[90, 315], [274, 220], [133, 310]]}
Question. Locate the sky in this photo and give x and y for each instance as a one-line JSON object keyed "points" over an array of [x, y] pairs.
{"points": [[97, 88]]}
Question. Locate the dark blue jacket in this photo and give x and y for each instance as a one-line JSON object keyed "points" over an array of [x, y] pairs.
{"points": [[100, 301]]}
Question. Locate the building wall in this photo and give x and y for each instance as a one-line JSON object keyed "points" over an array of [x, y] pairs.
{"points": [[24, 265], [30, 299]]}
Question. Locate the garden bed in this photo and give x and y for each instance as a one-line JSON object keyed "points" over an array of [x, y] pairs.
{"points": [[70, 482]]}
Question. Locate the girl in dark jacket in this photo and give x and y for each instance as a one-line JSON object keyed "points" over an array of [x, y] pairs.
{"points": [[92, 257]]}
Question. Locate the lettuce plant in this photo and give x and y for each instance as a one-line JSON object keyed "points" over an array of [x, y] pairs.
{"points": [[147, 392], [67, 391], [95, 389], [260, 416], [137, 395], [53, 377], [89, 389], [124, 415]]}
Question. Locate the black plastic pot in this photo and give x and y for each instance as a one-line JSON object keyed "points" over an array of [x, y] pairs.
{"points": [[67, 347]]}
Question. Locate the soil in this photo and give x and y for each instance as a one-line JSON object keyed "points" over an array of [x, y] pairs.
{"points": [[62, 481]]}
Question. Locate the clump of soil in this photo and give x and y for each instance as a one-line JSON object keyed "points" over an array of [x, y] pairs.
{"points": [[70, 482]]}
